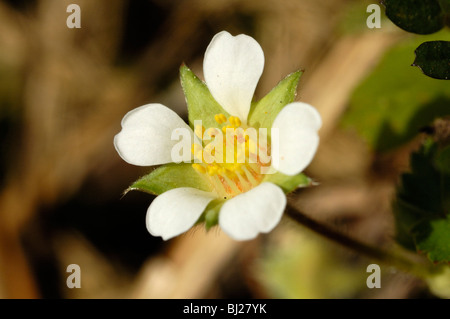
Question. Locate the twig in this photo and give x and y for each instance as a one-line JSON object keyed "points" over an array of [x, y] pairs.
{"points": [[384, 256]]}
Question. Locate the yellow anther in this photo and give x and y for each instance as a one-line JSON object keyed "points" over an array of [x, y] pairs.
{"points": [[213, 169], [220, 118], [235, 121], [224, 129], [199, 131], [230, 160], [199, 168]]}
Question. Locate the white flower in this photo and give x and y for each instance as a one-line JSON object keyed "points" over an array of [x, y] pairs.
{"points": [[250, 203]]}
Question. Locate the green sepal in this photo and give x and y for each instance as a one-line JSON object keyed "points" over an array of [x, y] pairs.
{"points": [[263, 113], [168, 177], [211, 214], [288, 183], [201, 104]]}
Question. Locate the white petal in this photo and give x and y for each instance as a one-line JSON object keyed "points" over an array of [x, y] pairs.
{"points": [[176, 211], [256, 211], [297, 142], [232, 67], [145, 139]]}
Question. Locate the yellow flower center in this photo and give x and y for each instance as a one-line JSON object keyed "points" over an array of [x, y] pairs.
{"points": [[232, 156]]}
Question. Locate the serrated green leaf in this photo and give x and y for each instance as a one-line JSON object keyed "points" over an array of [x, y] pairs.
{"points": [[201, 104], [422, 205], [288, 183], [406, 216], [170, 176], [433, 237], [417, 16], [433, 58], [391, 105], [263, 113]]}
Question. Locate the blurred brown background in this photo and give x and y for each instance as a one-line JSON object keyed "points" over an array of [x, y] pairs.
{"points": [[63, 93]]}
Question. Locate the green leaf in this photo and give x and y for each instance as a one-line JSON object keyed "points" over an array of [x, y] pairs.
{"points": [[406, 217], [395, 101], [422, 205], [433, 237], [433, 58], [168, 177], [416, 16], [263, 113], [201, 104], [288, 183]]}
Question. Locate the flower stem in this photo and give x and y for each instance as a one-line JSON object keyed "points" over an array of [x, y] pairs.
{"points": [[384, 256]]}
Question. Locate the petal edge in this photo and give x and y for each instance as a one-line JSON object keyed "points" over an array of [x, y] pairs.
{"points": [[145, 138], [297, 140], [176, 211], [256, 211], [232, 67]]}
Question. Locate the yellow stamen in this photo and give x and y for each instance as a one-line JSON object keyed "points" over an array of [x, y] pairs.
{"points": [[220, 118], [250, 176], [235, 121], [199, 168], [231, 184], [230, 163], [212, 170], [243, 181], [199, 131], [252, 147], [196, 148], [237, 168], [218, 185], [224, 129]]}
